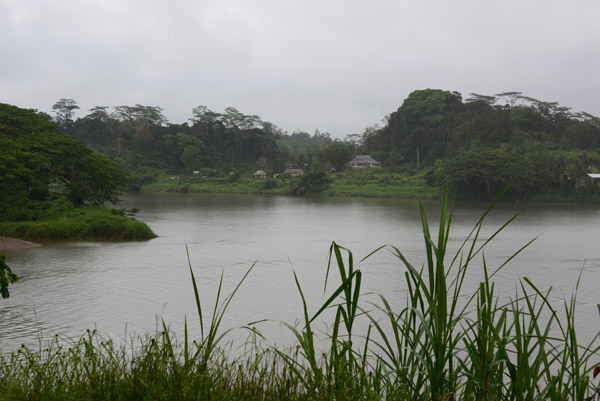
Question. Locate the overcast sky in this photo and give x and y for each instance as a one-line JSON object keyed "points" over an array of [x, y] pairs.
{"points": [[333, 65]]}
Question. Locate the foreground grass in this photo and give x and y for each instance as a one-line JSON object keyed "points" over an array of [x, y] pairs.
{"points": [[83, 223], [443, 344]]}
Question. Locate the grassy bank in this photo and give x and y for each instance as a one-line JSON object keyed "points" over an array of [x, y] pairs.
{"points": [[372, 183], [444, 344], [379, 183], [375, 183], [82, 223], [195, 184]]}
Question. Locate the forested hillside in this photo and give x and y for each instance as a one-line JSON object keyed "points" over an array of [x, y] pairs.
{"points": [[481, 144]]}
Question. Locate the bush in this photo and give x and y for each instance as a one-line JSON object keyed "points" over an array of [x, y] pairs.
{"points": [[235, 177], [269, 183], [315, 181], [82, 223]]}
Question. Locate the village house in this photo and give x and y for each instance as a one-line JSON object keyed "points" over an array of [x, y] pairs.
{"points": [[259, 175], [294, 172], [363, 161]]}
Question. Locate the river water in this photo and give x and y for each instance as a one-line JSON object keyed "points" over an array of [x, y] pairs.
{"points": [[126, 288]]}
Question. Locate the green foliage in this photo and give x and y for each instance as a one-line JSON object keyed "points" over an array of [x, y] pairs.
{"points": [[303, 142], [35, 157], [418, 129], [88, 222], [482, 170], [6, 277], [269, 183], [233, 177], [375, 183], [338, 155], [479, 169], [65, 111], [314, 181], [192, 157], [140, 138], [380, 183], [531, 142], [479, 146]]}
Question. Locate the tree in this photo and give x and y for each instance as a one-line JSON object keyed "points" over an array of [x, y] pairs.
{"points": [[203, 115], [99, 113], [65, 110], [353, 139], [35, 156], [315, 181], [145, 115], [338, 155], [510, 98], [479, 170], [477, 98], [419, 128], [192, 157]]}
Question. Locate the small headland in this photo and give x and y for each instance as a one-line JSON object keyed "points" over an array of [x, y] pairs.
{"points": [[76, 223]]}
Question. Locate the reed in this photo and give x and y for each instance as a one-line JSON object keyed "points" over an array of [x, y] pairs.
{"points": [[445, 343]]}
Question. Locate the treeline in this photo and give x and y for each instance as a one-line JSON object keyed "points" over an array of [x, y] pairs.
{"points": [[144, 143], [477, 145], [480, 145]]}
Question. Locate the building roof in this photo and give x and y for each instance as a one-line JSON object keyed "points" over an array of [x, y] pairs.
{"points": [[293, 171], [363, 159], [594, 175], [259, 172]]}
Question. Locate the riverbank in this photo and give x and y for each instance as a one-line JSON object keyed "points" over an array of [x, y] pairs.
{"points": [[15, 243], [83, 223], [364, 183], [374, 183]]}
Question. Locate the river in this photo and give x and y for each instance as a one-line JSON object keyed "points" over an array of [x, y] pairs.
{"points": [[124, 288]]}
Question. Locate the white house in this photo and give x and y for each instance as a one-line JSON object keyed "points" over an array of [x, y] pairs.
{"points": [[260, 174], [294, 172], [364, 161]]}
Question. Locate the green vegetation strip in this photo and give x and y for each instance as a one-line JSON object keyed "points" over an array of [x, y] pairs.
{"points": [[444, 344], [371, 183], [87, 222]]}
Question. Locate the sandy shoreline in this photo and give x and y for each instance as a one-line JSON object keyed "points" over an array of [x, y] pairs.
{"points": [[15, 243]]}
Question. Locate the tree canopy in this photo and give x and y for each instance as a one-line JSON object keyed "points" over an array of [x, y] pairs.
{"points": [[37, 160], [481, 145]]}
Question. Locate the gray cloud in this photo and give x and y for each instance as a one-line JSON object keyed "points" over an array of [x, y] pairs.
{"points": [[335, 65]]}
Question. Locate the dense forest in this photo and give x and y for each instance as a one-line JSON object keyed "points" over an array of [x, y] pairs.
{"points": [[477, 145], [144, 143], [481, 144], [38, 162], [54, 187]]}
